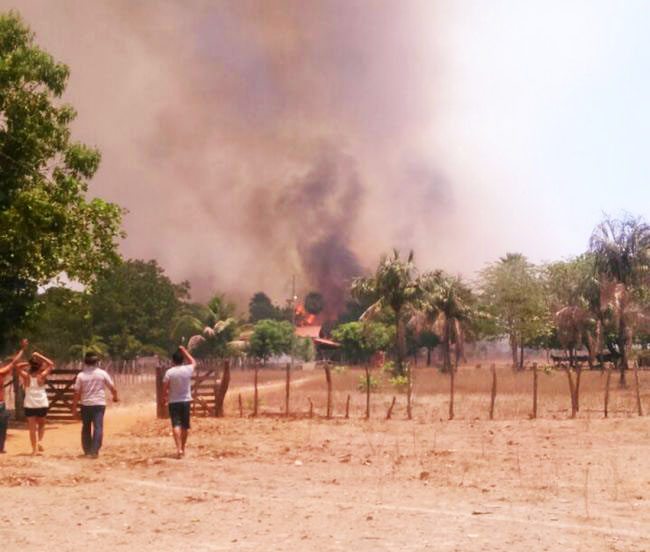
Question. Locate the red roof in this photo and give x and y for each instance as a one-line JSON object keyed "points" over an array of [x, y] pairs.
{"points": [[326, 342], [308, 331]]}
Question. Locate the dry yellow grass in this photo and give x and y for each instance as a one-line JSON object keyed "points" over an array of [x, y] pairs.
{"points": [[514, 398]]}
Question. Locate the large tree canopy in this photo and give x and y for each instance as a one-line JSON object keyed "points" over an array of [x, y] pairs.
{"points": [[47, 225], [135, 304]]}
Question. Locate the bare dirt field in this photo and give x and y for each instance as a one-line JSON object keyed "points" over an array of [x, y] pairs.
{"points": [[299, 483]]}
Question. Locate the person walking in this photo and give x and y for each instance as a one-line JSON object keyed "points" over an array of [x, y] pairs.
{"points": [[36, 402], [4, 413], [177, 393], [89, 392]]}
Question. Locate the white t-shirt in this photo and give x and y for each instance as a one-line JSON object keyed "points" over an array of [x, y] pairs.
{"points": [[90, 383], [180, 383]]}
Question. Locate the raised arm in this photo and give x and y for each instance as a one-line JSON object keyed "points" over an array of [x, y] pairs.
{"points": [[48, 365], [14, 361], [187, 356]]}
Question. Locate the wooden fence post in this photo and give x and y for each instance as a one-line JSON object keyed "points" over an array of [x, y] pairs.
{"points": [[571, 391], [287, 389], [160, 407], [576, 392], [638, 389], [390, 408], [347, 408], [255, 393], [534, 390], [409, 390], [19, 397], [367, 391], [493, 395], [311, 407], [451, 393], [241, 407], [328, 379], [607, 379]]}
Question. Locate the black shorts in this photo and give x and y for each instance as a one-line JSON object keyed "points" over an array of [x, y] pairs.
{"points": [[36, 412], [179, 413]]}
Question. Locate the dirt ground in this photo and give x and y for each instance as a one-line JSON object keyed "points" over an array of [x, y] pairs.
{"points": [[314, 484]]}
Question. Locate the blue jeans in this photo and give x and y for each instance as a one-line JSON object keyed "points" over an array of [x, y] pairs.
{"points": [[92, 428], [4, 422]]}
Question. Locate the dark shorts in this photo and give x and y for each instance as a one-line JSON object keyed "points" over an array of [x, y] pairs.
{"points": [[179, 413], [36, 412]]}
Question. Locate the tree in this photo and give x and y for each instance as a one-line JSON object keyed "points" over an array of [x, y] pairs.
{"points": [[47, 226], [260, 307], [361, 340], [271, 337], [207, 329], [513, 294], [135, 302], [573, 298], [447, 305], [621, 250], [396, 286], [58, 322]]}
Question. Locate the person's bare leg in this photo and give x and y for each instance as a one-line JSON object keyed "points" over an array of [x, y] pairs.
{"points": [[41, 432], [33, 438], [178, 440], [183, 440]]}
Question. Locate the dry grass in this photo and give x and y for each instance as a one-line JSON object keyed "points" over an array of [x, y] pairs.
{"points": [[431, 394]]}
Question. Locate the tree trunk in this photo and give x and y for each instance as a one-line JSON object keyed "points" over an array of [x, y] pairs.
{"points": [[401, 344], [446, 347], [521, 355], [220, 395], [513, 350], [428, 356]]}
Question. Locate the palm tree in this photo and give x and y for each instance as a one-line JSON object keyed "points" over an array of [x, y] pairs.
{"points": [[199, 324], [622, 262], [394, 286], [447, 308]]}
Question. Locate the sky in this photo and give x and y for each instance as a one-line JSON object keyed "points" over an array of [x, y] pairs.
{"points": [[251, 141]]}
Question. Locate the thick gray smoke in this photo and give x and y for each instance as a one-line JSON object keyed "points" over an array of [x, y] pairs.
{"points": [[253, 140], [323, 208]]}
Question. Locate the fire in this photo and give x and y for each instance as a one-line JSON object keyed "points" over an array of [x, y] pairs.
{"points": [[304, 318]]}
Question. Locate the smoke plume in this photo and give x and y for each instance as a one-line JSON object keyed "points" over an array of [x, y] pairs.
{"points": [[252, 140]]}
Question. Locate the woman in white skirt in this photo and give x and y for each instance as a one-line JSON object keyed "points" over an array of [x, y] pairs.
{"points": [[36, 403]]}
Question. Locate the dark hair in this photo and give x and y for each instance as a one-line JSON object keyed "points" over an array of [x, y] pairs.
{"points": [[91, 358], [34, 365], [177, 357]]}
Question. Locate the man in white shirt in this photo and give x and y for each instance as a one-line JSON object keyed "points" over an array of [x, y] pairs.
{"points": [[89, 392], [177, 392]]}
